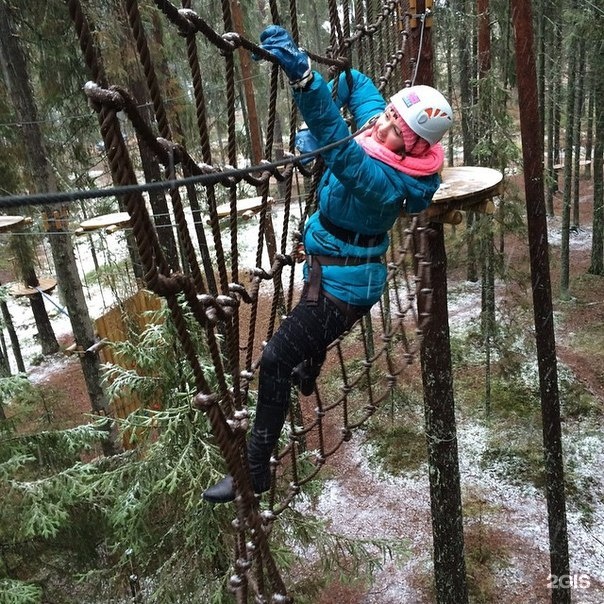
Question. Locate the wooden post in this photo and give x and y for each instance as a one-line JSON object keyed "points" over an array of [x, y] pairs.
{"points": [[248, 87], [441, 431]]}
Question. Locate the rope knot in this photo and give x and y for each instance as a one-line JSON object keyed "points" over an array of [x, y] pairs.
{"points": [[235, 582], [243, 565], [232, 39], [212, 309], [170, 148], [228, 304], [239, 290], [185, 22], [104, 96], [204, 401], [240, 421]]}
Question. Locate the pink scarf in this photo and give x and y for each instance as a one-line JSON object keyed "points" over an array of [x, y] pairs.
{"points": [[429, 162]]}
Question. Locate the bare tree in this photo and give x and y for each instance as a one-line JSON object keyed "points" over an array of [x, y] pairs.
{"points": [[532, 152], [568, 164], [597, 244]]}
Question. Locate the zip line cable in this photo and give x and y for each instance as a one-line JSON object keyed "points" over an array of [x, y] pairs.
{"points": [[15, 201]]}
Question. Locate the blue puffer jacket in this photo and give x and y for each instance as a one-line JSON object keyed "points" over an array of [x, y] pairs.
{"points": [[357, 192]]}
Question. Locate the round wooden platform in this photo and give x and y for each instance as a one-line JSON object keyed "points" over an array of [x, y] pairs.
{"points": [[251, 204], [582, 164], [8, 222], [106, 220], [47, 284], [470, 184]]}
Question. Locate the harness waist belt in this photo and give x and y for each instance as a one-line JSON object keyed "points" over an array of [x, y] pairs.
{"points": [[350, 236], [316, 262]]}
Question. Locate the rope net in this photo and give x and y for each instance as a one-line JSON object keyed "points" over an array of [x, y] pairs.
{"points": [[239, 306]]}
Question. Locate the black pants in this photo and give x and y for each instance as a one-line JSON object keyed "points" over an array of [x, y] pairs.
{"points": [[304, 335]]}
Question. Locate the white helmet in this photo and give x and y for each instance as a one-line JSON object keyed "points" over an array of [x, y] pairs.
{"points": [[426, 111]]}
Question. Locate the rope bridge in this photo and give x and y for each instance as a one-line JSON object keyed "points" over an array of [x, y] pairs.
{"points": [[239, 308]]}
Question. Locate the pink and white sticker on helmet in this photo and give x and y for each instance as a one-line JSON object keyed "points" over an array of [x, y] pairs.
{"points": [[410, 99]]}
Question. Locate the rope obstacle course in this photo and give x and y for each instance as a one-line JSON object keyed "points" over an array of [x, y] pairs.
{"points": [[216, 292]]}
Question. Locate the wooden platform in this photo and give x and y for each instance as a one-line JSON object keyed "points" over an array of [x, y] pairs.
{"points": [[465, 188], [116, 219], [8, 223], [468, 183], [47, 284], [582, 164], [245, 207]]}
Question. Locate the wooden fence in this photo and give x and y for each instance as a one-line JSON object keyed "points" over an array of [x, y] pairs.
{"points": [[116, 326]]}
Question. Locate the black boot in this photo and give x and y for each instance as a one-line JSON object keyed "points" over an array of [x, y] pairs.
{"points": [[258, 454], [305, 375]]}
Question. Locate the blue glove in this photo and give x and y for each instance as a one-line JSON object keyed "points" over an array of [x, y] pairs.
{"points": [[306, 143], [294, 62]]}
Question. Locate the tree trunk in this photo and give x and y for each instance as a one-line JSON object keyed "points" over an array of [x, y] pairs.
{"points": [[250, 100], [61, 245], [488, 320], [551, 99], [568, 164], [578, 110], [589, 133], [532, 152], [14, 340], [441, 431], [465, 78], [468, 123], [46, 335], [541, 61], [441, 435], [449, 40], [81, 324], [4, 364], [552, 177], [485, 103], [472, 253], [597, 245]]}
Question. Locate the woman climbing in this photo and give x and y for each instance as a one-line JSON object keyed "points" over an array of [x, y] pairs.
{"points": [[391, 166]]}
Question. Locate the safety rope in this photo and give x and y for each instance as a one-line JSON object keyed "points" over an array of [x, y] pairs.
{"points": [[226, 309]]}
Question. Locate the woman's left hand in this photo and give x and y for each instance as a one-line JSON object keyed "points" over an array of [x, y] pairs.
{"points": [[294, 61]]}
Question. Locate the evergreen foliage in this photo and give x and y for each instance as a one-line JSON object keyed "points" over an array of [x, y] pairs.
{"points": [[135, 519]]}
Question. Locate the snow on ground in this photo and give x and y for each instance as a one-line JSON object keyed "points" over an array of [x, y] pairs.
{"points": [[367, 505], [579, 238], [362, 502]]}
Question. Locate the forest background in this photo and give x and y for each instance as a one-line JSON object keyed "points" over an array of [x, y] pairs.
{"points": [[107, 530]]}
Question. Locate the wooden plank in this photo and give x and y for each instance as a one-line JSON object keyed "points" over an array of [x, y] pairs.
{"points": [[106, 220], [251, 204], [113, 326], [449, 217]]}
